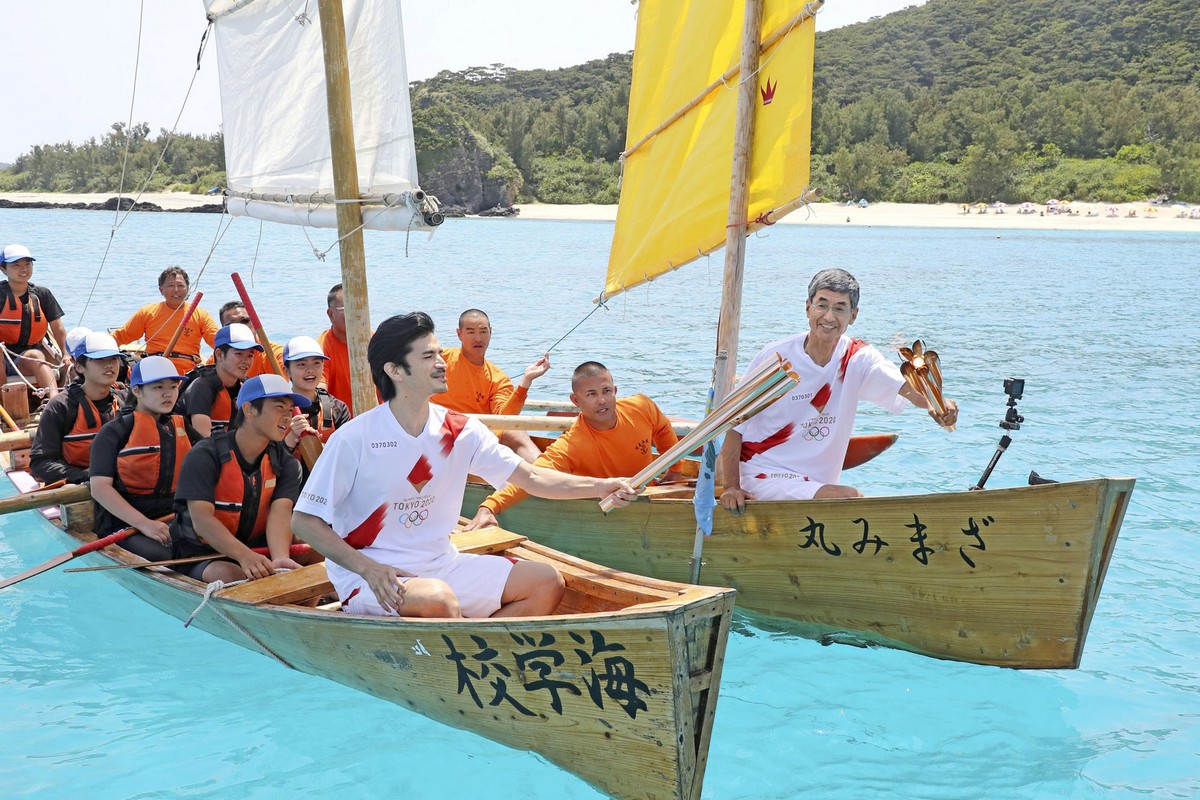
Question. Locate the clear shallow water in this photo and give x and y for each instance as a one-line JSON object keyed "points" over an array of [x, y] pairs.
{"points": [[102, 696]]}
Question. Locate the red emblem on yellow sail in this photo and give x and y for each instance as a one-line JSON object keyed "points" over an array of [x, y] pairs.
{"points": [[768, 92]]}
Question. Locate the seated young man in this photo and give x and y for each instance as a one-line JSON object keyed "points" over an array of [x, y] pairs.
{"points": [[136, 459], [612, 436], [208, 401], [61, 448], [27, 313], [236, 490], [387, 491]]}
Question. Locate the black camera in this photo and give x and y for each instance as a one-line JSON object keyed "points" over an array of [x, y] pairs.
{"points": [[1014, 387]]}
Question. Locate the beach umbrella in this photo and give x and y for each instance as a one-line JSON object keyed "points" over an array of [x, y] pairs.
{"points": [[1051, 202], [1113, 211], [1151, 210], [1026, 207]]}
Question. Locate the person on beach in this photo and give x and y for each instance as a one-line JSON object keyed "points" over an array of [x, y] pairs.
{"points": [[304, 366], [27, 312], [209, 401], [237, 488], [235, 311], [387, 491], [61, 446], [333, 344], [794, 449], [477, 386], [612, 436], [157, 323], [136, 458]]}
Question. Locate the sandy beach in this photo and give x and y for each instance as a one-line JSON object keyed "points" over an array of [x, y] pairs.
{"points": [[1090, 216]]}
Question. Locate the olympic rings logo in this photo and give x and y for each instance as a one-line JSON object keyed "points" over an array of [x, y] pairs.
{"points": [[413, 519], [816, 433]]}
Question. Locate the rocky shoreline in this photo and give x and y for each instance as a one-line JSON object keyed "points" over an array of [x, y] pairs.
{"points": [[114, 204]]}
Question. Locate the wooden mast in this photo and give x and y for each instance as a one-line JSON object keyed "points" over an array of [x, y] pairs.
{"points": [[349, 214], [739, 203]]}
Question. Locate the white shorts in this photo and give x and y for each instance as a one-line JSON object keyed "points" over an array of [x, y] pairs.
{"points": [[781, 486], [477, 581]]}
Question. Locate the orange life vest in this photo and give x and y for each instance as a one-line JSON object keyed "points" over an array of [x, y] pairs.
{"points": [[243, 501], [77, 442], [221, 412], [141, 468], [21, 324]]}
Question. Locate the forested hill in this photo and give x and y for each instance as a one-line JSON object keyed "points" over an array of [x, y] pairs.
{"points": [[955, 100], [948, 45]]}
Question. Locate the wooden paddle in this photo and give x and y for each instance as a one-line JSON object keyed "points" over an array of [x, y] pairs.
{"points": [[293, 550], [309, 446], [63, 558], [46, 496], [8, 420], [187, 314]]}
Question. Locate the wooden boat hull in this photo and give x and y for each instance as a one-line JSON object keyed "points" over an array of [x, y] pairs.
{"points": [[1008, 577], [619, 687]]}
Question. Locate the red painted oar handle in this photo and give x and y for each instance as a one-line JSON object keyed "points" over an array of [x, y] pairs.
{"points": [[256, 323], [100, 544], [293, 550]]}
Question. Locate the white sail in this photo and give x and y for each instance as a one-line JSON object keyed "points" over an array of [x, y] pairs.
{"points": [[275, 118]]}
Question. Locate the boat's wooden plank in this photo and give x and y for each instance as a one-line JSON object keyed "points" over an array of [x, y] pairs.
{"points": [[294, 586], [486, 540]]}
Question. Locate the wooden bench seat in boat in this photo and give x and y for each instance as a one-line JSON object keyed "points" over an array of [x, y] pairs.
{"points": [[301, 585]]}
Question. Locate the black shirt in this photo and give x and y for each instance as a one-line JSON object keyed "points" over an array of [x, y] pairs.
{"points": [[46, 460]]}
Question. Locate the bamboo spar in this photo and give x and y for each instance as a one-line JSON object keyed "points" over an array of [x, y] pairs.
{"points": [[764, 387], [349, 214]]}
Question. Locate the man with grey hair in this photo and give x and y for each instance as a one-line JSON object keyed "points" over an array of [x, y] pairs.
{"points": [[794, 450]]}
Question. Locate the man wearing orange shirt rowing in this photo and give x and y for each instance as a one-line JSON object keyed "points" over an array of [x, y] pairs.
{"points": [[477, 386], [158, 322], [611, 437]]}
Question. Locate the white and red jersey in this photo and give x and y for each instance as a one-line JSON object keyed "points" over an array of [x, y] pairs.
{"points": [[804, 435], [396, 497]]}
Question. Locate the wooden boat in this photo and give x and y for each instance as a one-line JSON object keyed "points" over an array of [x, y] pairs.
{"points": [[1007, 577], [619, 686]]}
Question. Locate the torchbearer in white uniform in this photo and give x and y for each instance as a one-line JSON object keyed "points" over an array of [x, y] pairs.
{"points": [[388, 488]]}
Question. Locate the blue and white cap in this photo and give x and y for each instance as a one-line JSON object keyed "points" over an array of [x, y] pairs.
{"points": [[299, 347], [152, 369], [271, 385], [96, 344], [238, 336]]}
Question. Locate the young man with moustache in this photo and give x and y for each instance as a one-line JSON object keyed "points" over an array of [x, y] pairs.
{"points": [[61, 447], [237, 488], [136, 459], [386, 493], [477, 386], [209, 400], [612, 436], [158, 322], [794, 449]]}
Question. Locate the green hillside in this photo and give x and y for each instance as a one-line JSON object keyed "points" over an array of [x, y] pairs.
{"points": [[955, 100]]}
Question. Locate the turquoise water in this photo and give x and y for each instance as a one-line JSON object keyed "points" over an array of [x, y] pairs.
{"points": [[102, 696]]}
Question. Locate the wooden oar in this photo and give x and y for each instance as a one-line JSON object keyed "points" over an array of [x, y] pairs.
{"points": [[532, 422], [293, 550], [187, 314], [309, 446], [48, 496], [63, 558], [8, 420]]}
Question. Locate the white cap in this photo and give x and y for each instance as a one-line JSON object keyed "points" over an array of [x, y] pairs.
{"points": [[96, 344], [299, 347], [75, 336], [15, 252], [153, 368]]}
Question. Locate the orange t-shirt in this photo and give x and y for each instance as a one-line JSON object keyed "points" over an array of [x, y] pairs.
{"points": [[157, 324], [478, 390], [620, 452], [337, 368]]}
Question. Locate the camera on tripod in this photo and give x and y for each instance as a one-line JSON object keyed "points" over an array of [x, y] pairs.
{"points": [[1015, 389]]}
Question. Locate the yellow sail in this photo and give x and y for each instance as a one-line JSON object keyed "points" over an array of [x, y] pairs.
{"points": [[679, 146]]}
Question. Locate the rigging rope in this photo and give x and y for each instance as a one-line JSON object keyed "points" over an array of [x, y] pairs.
{"points": [[599, 305]]}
